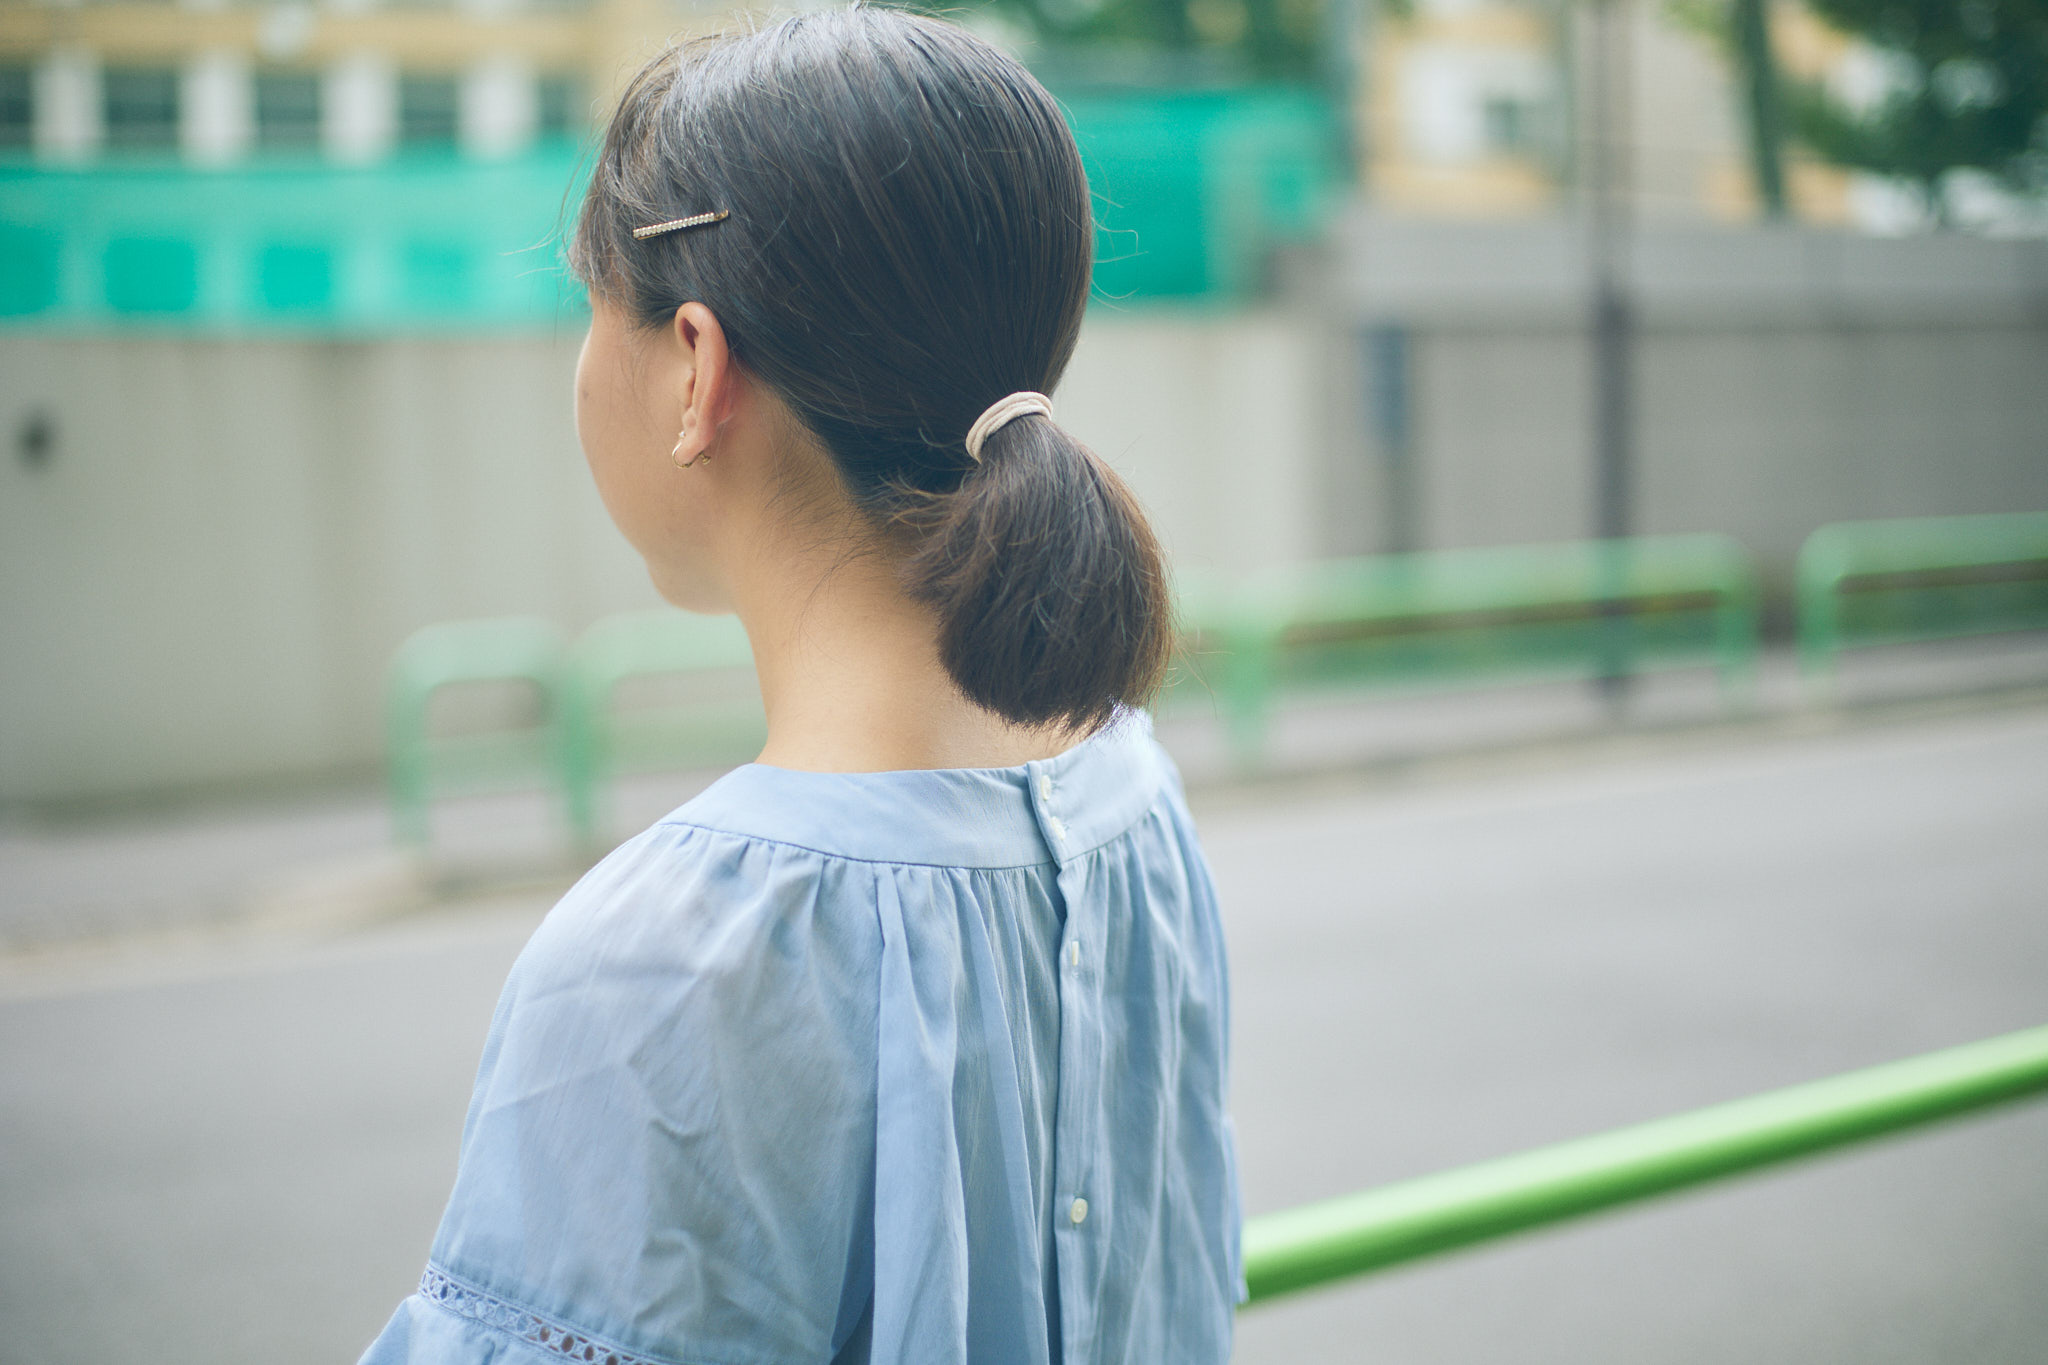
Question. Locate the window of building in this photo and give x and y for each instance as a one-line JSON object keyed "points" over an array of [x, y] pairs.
{"points": [[562, 109], [287, 110], [140, 107], [17, 107], [428, 109], [1510, 124]]}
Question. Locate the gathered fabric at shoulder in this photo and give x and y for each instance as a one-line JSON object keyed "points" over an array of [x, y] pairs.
{"points": [[670, 1137], [918, 1067]]}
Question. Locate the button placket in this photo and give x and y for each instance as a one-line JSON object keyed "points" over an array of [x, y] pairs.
{"points": [[1054, 826]]}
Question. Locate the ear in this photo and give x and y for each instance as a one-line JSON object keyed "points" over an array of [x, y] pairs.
{"points": [[708, 383]]}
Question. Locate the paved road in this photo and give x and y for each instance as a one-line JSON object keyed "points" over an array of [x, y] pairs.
{"points": [[238, 1156], [1431, 977]]}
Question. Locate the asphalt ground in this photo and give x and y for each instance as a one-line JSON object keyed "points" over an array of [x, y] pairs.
{"points": [[234, 1146], [1428, 977]]}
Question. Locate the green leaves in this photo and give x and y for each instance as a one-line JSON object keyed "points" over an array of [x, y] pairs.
{"points": [[1962, 86]]}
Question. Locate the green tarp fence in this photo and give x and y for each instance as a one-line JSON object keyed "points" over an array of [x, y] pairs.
{"points": [[1193, 190]]}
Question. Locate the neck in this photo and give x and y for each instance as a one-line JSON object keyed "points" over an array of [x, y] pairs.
{"points": [[851, 677]]}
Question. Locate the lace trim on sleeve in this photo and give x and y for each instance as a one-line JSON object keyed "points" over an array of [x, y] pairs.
{"points": [[523, 1324]]}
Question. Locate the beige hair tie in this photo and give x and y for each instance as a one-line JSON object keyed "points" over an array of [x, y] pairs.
{"points": [[1001, 411]]}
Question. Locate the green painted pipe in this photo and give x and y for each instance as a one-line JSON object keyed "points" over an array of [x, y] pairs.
{"points": [[1316, 1243], [1841, 551]]}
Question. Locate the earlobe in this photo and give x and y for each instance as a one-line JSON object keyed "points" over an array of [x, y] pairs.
{"points": [[683, 439]]}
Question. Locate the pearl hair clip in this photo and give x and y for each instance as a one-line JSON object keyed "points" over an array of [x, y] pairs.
{"points": [[675, 224]]}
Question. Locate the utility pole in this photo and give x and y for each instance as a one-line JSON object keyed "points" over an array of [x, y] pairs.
{"points": [[1766, 112], [1606, 72]]}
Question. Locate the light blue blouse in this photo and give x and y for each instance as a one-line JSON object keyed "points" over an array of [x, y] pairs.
{"points": [[921, 1066]]}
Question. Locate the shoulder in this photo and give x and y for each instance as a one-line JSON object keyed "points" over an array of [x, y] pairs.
{"points": [[690, 959], [685, 903], [672, 1127]]}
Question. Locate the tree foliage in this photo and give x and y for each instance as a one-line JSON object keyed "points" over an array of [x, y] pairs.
{"points": [[1968, 88]]}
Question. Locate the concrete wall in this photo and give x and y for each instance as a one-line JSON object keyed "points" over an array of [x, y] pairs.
{"points": [[205, 576], [1783, 379], [229, 538]]}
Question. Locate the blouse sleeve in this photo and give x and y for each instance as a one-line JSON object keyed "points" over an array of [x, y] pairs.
{"points": [[669, 1152]]}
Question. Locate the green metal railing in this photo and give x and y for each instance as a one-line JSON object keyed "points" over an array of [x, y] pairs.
{"points": [[1299, 1248], [578, 734], [1570, 608], [1540, 607], [522, 650], [605, 739], [1918, 578]]}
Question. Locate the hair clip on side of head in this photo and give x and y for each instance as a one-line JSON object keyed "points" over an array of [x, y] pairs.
{"points": [[677, 224]]}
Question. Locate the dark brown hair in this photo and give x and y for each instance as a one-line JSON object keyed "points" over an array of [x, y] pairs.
{"points": [[909, 241]]}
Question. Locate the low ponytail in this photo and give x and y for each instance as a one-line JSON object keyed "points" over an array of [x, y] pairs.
{"points": [[890, 219], [1047, 581]]}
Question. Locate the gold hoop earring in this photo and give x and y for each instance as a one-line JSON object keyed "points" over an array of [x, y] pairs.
{"points": [[681, 437]]}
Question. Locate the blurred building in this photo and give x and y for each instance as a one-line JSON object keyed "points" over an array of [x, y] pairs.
{"points": [[217, 82], [357, 165], [213, 166], [1468, 110], [286, 346]]}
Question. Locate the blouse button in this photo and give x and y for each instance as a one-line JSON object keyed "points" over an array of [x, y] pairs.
{"points": [[1059, 831], [1045, 786], [1078, 1212], [1073, 952]]}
